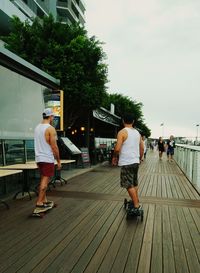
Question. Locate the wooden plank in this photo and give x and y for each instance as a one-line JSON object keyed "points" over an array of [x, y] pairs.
{"points": [[168, 257], [181, 187], [157, 254], [155, 183], [123, 252], [135, 250], [145, 255], [193, 228], [179, 253], [159, 187], [58, 237], [110, 255], [69, 244], [190, 250], [164, 188], [41, 242], [150, 185], [79, 259], [168, 187], [116, 230], [176, 192]]}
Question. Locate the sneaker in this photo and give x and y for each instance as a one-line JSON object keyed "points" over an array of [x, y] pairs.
{"points": [[42, 208], [130, 205], [137, 209], [49, 203]]}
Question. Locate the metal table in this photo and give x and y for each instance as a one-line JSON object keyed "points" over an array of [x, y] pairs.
{"points": [[4, 173], [25, 167]]}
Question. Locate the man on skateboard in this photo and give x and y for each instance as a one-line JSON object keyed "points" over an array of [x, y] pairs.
{"points": [[46, 151], [128, 151]]}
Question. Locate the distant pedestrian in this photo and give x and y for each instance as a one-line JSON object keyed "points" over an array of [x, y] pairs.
{"points": [[128, 151], [170, 148], [145, 146], [46, 151], [161, 147], [152, 145]]}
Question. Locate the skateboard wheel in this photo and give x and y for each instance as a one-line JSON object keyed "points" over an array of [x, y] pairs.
{"points": [[125, 203], [142, 215], [128, 216]]}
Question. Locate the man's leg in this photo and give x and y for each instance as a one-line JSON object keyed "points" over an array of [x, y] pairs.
{"points": [[168, 155], [42, 190], [133, 193]]}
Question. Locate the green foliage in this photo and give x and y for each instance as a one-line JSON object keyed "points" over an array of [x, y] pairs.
{"points": [[67, 53], [124, 104]]}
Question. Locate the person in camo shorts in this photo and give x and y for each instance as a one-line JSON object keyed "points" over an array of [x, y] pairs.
{"points": [[128, 152]]}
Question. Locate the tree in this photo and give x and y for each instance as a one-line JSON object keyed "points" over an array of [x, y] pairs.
{"points": [[67, 53], [124, 104]]}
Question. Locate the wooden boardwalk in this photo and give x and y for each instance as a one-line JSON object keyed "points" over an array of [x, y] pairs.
{"points": [[88, 231]]}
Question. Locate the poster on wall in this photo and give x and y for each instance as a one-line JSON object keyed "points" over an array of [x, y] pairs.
{"points": [[54, 99]]}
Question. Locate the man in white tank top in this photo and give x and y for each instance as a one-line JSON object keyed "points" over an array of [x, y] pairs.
{"points": [[128, 152], [46, 151]]}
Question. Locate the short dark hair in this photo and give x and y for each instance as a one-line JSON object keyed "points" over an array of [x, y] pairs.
{"points": [[128, 118], [44, 116]]}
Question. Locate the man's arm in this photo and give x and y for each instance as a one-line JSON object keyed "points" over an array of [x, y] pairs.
{"points": [[54, 146], [120, 139]]}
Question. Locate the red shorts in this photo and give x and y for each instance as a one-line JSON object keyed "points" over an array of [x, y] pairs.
{"points": [[46, 169]]}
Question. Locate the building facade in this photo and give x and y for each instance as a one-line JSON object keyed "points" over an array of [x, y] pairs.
{"points": [[64, 11], [22, 99]]}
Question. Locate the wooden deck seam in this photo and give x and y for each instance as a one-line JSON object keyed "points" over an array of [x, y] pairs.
{"points": [[115, 198]]}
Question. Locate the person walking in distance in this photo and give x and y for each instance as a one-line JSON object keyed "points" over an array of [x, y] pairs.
{"points": [[46, 151], [170, 148], [128, 152], [145, 146], [161, 147]]}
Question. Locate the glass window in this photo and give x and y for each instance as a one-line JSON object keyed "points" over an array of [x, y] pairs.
{"points": [[30, 150], [1, 153], [21, 105], [14, 151]]}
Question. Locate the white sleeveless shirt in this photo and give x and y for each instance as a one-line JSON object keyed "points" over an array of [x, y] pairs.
{"points": [[43, 151], [130, 150]]}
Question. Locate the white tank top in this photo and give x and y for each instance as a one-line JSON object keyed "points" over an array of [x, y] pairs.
{"points": [[43, 151], [130, 150]]}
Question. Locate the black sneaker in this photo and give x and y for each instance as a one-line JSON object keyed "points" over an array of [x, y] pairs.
{"points": [[41, 208], [49, 203]]}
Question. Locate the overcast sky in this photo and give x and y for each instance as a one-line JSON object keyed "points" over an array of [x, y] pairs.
{"points": [[153, 54]]}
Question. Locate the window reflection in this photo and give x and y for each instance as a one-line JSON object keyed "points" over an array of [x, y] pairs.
{"points": [[30, 150], [1, 153], [14, 151]]}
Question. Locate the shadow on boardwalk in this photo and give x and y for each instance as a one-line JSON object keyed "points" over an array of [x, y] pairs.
{"points": [[88, 231]]}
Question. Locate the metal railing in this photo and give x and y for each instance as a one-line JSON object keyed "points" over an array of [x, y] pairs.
{"points": [[188, 159]]}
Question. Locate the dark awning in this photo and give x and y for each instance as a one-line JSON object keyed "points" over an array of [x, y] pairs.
{"points": [[106, 116]]}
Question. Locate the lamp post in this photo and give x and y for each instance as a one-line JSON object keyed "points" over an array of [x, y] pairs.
{"points": [[162, 125], [197, 125]]}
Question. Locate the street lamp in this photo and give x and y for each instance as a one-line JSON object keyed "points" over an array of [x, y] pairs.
{"points": [[162, 125], [197, 125]]}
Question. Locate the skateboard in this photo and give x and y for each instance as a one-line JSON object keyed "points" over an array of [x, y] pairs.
{"points": [[41, 214], [131, 212]]}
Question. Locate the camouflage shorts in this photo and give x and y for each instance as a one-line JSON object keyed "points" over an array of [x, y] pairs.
{"points": [[129, 176]]}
